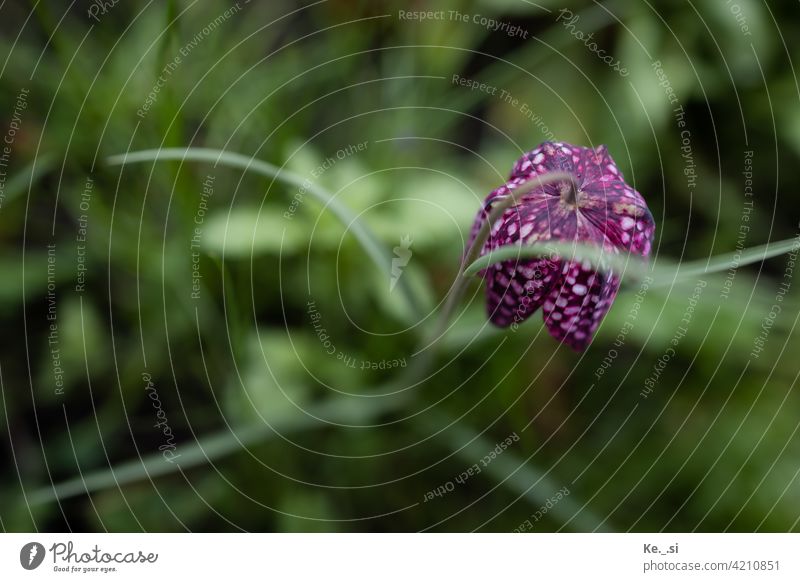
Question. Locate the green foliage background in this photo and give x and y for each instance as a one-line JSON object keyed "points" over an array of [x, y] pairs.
{"points": [[276, 434]]}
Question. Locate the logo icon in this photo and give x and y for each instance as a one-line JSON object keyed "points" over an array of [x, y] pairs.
{"points": [[31, 555], [402, 254]]}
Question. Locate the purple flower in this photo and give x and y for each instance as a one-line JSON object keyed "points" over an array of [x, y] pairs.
{"points": [[604, 212]]}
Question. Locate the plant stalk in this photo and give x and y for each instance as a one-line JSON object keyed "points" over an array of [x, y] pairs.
{"points": [[496, 208]]}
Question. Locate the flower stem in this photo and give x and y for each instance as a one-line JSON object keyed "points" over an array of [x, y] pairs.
{"points": [[494, 210], [363, 234]]}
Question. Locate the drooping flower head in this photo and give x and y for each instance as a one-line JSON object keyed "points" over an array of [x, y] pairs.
{"points": [[604, 212]]}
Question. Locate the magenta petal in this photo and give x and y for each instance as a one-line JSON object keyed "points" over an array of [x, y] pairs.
{"points": [[604, 212], [548, 157], [483, 213], [574, 309], [517, 289], [621, 214]]}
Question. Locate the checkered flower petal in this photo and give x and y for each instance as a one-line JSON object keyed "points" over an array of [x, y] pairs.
{"points": [[574, 308], [605, 212]]}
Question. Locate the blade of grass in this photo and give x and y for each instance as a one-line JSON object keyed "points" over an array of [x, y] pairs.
{"points": [[599, 258], [692, 269], [368, 240], [216, 446], [503, 72], [27, 177], [662, 275], [518, 475]]}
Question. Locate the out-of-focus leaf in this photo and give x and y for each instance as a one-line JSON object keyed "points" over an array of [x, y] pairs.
{"points": [[217, 445], [244, 232], [365, 237], [509, 470]]}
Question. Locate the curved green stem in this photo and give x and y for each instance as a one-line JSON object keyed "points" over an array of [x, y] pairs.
{"points": [[496, 209], [364, 235], [691, 270]]}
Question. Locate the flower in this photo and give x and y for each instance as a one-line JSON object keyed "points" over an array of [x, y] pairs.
{"points": [[604, 211]]}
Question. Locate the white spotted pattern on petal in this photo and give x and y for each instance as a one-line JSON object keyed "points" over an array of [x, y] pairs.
{"points": [[574, 317], [608, 213]]}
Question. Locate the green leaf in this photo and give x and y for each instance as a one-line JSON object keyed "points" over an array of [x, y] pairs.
{"points": [[519, 475], [369, 242], [663, 275], [20, 183], [244, 232], [601, 259], [693, 269], [342, 410]]}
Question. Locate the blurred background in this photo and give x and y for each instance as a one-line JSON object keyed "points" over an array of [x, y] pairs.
{"points": [[190, 345]]}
